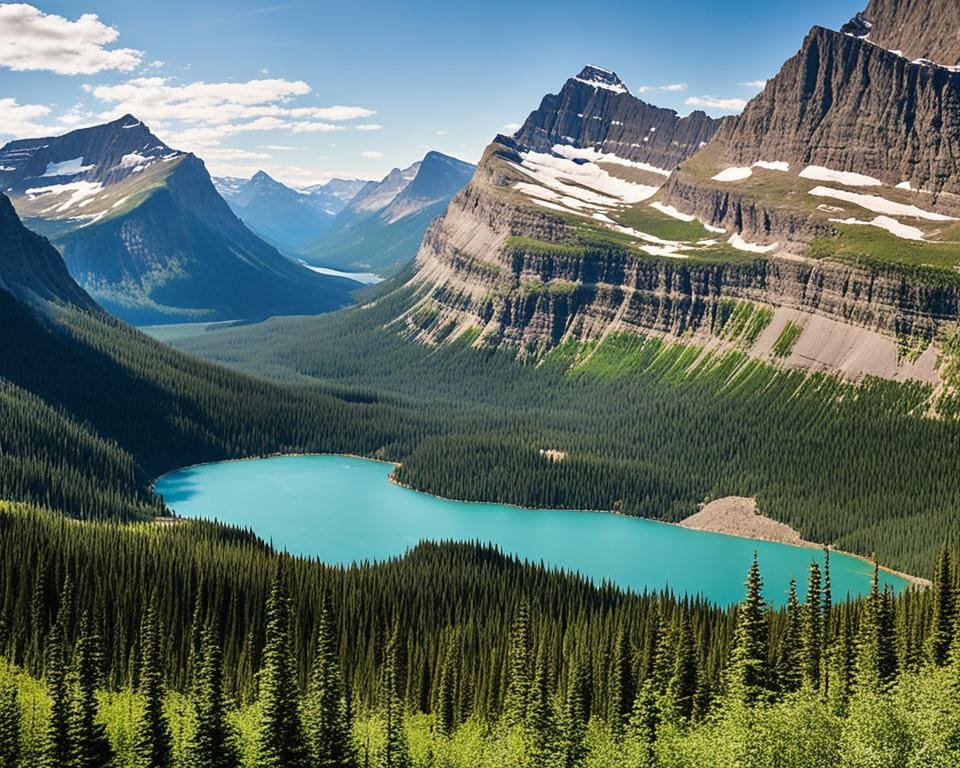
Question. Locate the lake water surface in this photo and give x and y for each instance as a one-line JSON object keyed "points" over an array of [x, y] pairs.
{"points": [[343, 510]]}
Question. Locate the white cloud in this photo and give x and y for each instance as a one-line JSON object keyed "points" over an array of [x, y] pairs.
{"points": [[215, 154], [670, 88], [282, 148], [371, 154], [33, 40], [512, 127], [755, 84], [712, 102], [20, 119], [369, 127], [440, 133]]}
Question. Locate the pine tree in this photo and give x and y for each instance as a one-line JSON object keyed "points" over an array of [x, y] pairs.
{"points": [[540, 721], [749, 674], [826, 643], [446, 690], [520, 668], [58, 750], [944, 611], [282, 743], [575, 716], [396, 751], [213, 743], [876, 645], [154, 747], [682, 686], [9, 725], [622, 690], [325, 707], [812, 631], [789, 671], [88, 736], [842, 667]]}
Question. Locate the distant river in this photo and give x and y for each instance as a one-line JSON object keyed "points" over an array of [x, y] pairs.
{"points": [[343, 510]]}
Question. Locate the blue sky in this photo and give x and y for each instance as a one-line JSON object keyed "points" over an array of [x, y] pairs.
{"points": [[313, 90]]}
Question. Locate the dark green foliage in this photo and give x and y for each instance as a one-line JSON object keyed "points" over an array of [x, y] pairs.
{"points": [[396, 752], [749, 673], [944, 610], [282, 741], [811, 655], [520, 670], [682, 687], [876, 651], [90, 747], [622, 684], [58, 750], [325, 715], [574, 717], [154, 744], [212, 745], [789, 669]]}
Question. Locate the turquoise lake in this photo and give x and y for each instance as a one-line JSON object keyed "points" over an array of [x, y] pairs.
{"points": [[343, 510]]}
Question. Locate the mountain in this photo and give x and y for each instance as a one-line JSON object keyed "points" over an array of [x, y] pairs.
{"points": [[383, 225], [142, 228], [91, 410], [827, 210], [284, 216]]}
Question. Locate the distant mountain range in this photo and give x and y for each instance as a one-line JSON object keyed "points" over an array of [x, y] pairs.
{"points": [[381, 228], [142, 228], [284, 216]]}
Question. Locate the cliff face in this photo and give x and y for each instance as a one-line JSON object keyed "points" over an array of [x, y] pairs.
{"points": [[850, 105], [596, 110], [918, 28]]}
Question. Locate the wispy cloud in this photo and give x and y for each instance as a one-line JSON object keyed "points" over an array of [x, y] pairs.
{"points": [[757, 85], [369, 127], [371, 154], [33, 40], [512, 127], [670, 88], [712, 102], [440, 133], [21, 119]]}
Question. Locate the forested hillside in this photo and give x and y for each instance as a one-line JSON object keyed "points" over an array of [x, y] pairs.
{"points": [[205, 648], [645, 427]]}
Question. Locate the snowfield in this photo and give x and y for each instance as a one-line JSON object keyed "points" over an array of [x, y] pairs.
{"points": [[879, 204], [594, 156], [892, 226], [67, 168], [78, 191], [819, 173], [742, 245]]}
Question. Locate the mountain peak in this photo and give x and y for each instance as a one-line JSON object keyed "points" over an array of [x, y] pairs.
{"points": [[598, 77], [262, 176]]}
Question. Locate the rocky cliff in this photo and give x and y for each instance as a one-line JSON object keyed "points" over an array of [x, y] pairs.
{"points": [[595, 109], [917, 28]]}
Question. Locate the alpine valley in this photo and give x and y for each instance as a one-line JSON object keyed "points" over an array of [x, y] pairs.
{"points": [[745, 325]]}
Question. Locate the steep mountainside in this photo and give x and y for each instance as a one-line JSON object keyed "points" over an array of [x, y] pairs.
{"points": [[595, 109], [381, 228], [143, 229], [284, 216], [917, 28], [91, 410], [827, 212]]}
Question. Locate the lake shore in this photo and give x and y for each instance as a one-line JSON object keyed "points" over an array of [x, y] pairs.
{"points": [[738, 516], [728, 516]]}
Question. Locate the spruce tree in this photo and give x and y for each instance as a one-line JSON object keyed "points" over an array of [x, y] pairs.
{"points": [[88, 736], [520, 668], [281, 743], [944, 611], [682, 686], [826, 643], [325, 707], [9, 725], [58, 749], [749, 674], [212, 744], [876, 644], [446, 690], [575, 716], [154, 747], [789, 672], [812, 631], [396, 751], [541, 726], [622, 690], [842, 667]]}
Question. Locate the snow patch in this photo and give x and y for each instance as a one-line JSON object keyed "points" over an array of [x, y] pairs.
{"points": [[575, 153], [892, 226], [847, 178], [742, 245], [879, 204], [740, 173], [615, 87], [78, 190], [775, 165], [67, 168], [672, 212], [133, 159]]}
